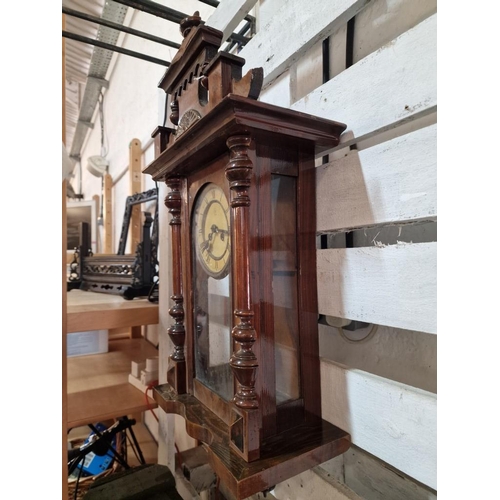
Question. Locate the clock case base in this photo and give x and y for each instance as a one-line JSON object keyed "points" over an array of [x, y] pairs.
{"points": [[282, 456]]}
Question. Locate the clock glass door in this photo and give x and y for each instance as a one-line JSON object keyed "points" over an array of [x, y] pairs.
{"points": [[211, 290]]}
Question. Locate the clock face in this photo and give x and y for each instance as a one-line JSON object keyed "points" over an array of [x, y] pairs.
{"points": [[211, 236]]}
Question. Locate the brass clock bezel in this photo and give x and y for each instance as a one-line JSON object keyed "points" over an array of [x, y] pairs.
{"points": [[204, 201]]}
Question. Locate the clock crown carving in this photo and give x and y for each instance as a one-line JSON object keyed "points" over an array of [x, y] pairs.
{"points": [[244, 369], [199, 70]]}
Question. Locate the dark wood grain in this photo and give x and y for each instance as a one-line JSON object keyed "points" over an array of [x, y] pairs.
{"points": [[307, 276], [235, 115], [176, 332], [243, 361], [282, 456]]}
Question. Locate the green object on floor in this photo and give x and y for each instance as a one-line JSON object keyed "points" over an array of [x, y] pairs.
{"points": [[146, 482]]}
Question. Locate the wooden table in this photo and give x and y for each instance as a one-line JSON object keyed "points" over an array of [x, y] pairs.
{"points": [[98, 387]]}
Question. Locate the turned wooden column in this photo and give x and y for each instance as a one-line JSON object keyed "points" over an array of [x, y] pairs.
{"points": [[243, 360], [176, 375]]}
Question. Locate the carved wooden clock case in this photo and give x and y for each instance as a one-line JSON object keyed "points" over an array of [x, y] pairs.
{"points": [[244, 372]]}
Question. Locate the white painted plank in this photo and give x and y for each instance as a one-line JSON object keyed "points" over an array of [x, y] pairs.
{"points": [[266, 10], [228, 15], [372, 479], [338, 42], [393, 182], [404, 356], [279, 92], [395, 422], [312, 486], [295, 28], [383, 20], [392, 86], [393, 285], [308, 72]]}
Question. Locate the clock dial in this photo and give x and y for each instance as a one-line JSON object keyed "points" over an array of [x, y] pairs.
{"points": [[211, 231]]}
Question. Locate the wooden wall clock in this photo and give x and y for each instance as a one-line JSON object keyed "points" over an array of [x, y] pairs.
{"points": [[244, 371]]}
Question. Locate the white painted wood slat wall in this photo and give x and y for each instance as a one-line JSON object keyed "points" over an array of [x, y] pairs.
{"points": [[388, 88], [393, 182], [393, 285], [279, 44], [392, 421]]}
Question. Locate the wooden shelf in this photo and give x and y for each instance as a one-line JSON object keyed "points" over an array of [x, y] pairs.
{"points": [[99, 311], [98, 387]]}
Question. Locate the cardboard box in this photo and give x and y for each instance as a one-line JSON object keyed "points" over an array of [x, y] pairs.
{"points": [[85, 343]]}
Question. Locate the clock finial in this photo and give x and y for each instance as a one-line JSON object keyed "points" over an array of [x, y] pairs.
{"points": [[189, 22]]}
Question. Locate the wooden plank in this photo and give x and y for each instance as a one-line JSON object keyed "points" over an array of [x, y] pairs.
{"points": [[405, 356], [98, 386], [136, 332], [338, 42], [372, 479], [108, 214], [135, 157], [84, 318], [392, 421], [119, 333], [292, 31], [307, 72], [101, 404], [105, 370], [389, 183], [380, 22], [279, 92], [312, 485], [228, 15], [393, 285], [402, 87], [98, 311]]}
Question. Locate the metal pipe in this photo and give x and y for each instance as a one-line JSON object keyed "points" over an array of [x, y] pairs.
{"points": [[243, 30], [155, 9], [114, 48], [212, 3], [175, 16], [119, 27], [238, 38]]}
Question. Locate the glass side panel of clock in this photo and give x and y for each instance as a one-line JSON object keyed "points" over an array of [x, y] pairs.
{"points": [[286, 321], [213, 313]]}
